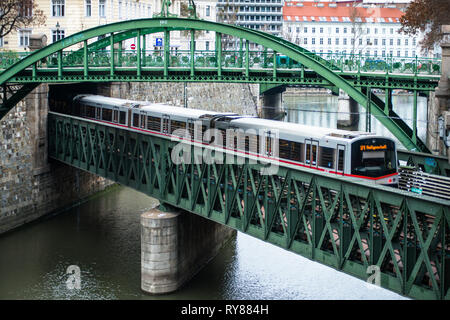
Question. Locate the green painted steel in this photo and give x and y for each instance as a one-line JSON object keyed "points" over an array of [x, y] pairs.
{"points": [[322, 72], [429, 163], [351, 226]]}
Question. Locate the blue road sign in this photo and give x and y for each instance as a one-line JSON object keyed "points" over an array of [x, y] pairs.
{"points": [[159, 42]]}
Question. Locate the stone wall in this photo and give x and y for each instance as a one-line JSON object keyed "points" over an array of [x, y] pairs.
{"points": [[31, 186], [222, 97]]}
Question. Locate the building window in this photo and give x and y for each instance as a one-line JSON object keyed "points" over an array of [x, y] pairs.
{"points": [[24, 38], [208, 11], [414, 41], [383, 42], [376, 41], [58, 8], [406, 42], [398, 53], [321, 40], [345, 41], [337, 30], [399, 42], [102, 8], [1, 42], [88, 8], [375, 53], [345, 30], [392, 30], [329, 40], [321, 30], [376, 30], [406, 53], [313, 30], [391, 42], [305, 41], [57, 35], [297, 30], [313, 41], [305, 30], [207, 46], [337, 40]]}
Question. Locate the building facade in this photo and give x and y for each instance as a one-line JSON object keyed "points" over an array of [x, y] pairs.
{"points": [[328, 27], [66, 17], [263, 15]]}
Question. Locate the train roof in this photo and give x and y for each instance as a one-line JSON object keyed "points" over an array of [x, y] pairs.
{"points": [[102, 99], [179, 111], [298, 129]]}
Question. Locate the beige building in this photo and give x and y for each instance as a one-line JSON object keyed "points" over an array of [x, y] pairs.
{"points": [[66, 17]]}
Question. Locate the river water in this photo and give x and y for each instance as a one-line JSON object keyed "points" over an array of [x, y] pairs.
{"points": [[102, 238]]}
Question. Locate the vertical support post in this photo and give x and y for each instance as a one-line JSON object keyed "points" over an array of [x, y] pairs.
{"points": [[111, 44], [387, 100], [247, 64], [414, 137], [33, 71], [219, 54], [241, 57], [59, 64], [166, 52], [119, 58], [368, 112], [85, 58], [138, 52], [274, 65], [144, 45], [192, 51], [265, 57]]}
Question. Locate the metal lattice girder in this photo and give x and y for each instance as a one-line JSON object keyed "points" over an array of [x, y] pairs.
{"points": [[12, 98], [321, 68], [348, 225], [429, 163]]}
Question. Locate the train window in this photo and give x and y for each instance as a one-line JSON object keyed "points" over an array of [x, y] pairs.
{"points": [[154, 123], [285, 149], [297, 151], [90, 112], [115, 116], [326, 157], [175, 125], [341, 160], [123, 117], [136, 120], [107, 114]]}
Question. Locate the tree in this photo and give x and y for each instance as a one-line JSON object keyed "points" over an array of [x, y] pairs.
{"points": [[426, 16], [16, 14], [357, 31], [227, 13]]}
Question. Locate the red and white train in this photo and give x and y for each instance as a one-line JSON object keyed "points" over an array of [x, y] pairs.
{"points": [[354, 154]]}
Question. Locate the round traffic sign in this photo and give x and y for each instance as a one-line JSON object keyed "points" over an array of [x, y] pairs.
{"points": [[133, 46]]}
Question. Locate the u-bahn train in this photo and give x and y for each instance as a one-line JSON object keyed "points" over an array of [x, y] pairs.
{"points": [[354, 154]]}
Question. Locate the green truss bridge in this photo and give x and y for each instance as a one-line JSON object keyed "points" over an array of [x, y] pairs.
{"points": [[350, 226], [280, 63], [347, 225]]}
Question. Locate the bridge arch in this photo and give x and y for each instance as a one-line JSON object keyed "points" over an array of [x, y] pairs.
{"points": [[131, 28]]}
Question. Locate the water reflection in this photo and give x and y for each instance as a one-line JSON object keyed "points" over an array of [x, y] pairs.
{"points": [[321, 111], [102, 237]]}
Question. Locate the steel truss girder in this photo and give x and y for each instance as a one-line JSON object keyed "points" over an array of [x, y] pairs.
{"points": [[307, 59], [438, 165], [338, 222]]}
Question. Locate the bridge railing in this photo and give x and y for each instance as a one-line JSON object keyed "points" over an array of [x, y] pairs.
{"points": [[259, 59]]}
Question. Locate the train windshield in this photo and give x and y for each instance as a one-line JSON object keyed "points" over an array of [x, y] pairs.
{"points": [[374, 157]]}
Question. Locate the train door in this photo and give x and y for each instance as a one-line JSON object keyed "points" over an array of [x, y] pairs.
{"points": [[98, 112], [268, 143], [115, 115], [191, 128], [311, 150], [165, 127], [142, 120], [340, 159]]}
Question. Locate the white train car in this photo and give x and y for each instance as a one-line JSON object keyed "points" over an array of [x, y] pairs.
{"points": [[354, 154]]}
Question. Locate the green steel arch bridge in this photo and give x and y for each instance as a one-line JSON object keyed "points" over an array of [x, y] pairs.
{"points": [[280, 63], [350, 226]]}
